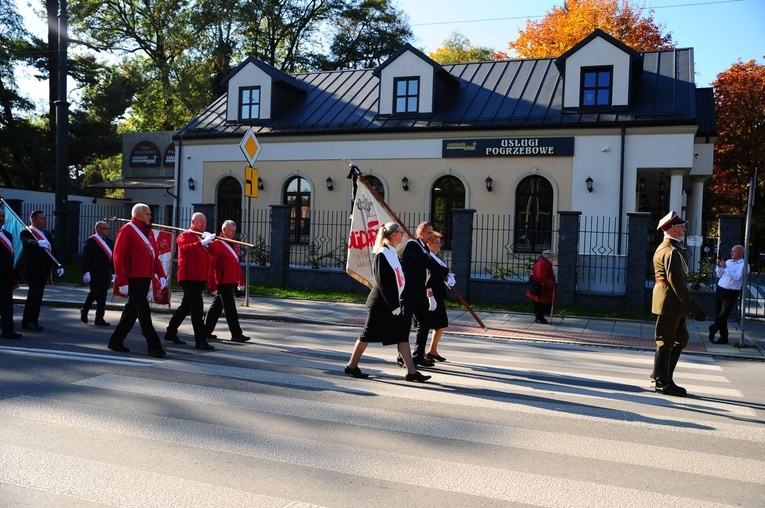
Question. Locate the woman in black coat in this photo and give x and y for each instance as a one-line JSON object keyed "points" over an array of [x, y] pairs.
{"points": [[437, 291], [386, 320]]}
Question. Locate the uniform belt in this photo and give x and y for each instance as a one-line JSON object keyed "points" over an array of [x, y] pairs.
{"points": [[662, 282]]}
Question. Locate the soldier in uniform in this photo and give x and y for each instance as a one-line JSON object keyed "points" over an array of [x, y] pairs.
{"points": [[671, 303]]}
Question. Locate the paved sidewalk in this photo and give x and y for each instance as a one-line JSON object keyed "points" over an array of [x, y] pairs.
{"points": [[521, 326]]}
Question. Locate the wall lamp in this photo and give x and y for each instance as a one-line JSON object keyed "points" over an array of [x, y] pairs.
{"points": [[589, 182], [260, 184], [489, 181], [405, 183], [330, 183], [192, 184]]}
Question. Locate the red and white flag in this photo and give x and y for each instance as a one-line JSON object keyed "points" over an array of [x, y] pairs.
{"points": [[369, 214]]}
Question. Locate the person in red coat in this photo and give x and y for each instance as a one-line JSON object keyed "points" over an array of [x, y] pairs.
{"points": [[542, 272], [193, 273], [135, 264], [225, 276]]}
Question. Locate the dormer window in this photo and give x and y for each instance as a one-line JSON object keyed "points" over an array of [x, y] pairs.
{"points": [[597, 86], [249, 103], [407, 95]]}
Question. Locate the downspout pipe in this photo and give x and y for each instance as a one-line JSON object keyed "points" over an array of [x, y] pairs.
{"points": [[621, 187], [178, 180]]}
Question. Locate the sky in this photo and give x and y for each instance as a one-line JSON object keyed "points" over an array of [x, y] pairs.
{"points": [[720, 31]]}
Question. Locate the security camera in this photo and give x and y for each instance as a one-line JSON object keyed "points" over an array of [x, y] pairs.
{"points": [[605, 149]]}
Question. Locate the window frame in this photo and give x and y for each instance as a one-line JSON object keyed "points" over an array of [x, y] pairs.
{"points": [[597, 88], [300, 202], [407, 96], [250, 105]]}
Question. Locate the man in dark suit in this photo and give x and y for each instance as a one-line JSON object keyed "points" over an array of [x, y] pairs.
{"points": [[671, 303], [97, 270], [416, 261], [7, 282], [38, 267]]}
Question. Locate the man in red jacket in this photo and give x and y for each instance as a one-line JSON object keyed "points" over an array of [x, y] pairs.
{"points": [[193, 273], [225, 276], [135, 264]]}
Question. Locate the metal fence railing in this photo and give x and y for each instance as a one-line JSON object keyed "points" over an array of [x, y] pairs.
{"points": [[503, 252], [602, 259], [328, 242]]}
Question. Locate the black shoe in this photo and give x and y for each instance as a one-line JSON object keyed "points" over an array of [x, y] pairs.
{"points": [[721, 340], [171, 337], [669, 388], [417, 377], [435, 358], [119, 349], [400, 362], [211, 336], [541, 321], [11, 335], [419, 360], [157, 353], [205, 346], [240, 338], [84, 316], [32, 327], [712, 332], [355, 372], [101, 322]]}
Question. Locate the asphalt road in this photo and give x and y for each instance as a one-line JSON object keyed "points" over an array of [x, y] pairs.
{"points": [[275, 423]]}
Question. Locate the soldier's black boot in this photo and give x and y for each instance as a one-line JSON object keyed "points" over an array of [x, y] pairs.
{"points": [[661, 370], [674, 356]]}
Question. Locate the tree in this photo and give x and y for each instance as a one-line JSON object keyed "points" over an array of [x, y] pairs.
{"points": [[21, 148], [457, 49], [740, 147], [365, 33], [563, 27]]}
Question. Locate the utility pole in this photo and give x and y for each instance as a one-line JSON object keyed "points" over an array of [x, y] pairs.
{"points": [[61, 210]]}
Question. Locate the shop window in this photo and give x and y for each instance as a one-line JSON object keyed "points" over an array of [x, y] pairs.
{"points": [[447, 193], [229, 203], [297, 194], [533, 215]]}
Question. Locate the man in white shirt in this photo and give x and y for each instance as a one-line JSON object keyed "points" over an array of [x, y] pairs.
{"points": [[731, 278]]}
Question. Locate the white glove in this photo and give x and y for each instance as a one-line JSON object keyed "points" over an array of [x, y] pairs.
{"points": [[45, 244], [450, 280], [397, 311], [162, 283], [207, 238], [432, 303], [85, 278], [214, 293], [240, 288], [123, 290], [60, 272], [114, 277]]}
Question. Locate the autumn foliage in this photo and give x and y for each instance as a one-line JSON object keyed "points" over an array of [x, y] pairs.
{"points": [[564, 27], [740, 109]]}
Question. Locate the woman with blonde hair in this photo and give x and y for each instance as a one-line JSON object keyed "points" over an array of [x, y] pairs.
{"points": [[386, 320]]}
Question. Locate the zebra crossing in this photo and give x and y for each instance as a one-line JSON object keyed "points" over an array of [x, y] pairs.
{"points": [[276, 423]]}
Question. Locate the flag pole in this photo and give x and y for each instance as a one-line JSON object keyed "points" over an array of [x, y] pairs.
{"points": [[198, 233], [355, 171], [53, 258]]}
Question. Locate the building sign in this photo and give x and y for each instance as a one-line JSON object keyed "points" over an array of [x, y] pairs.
{"points": [[508, 147], [169, 159], [145, 155]]}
